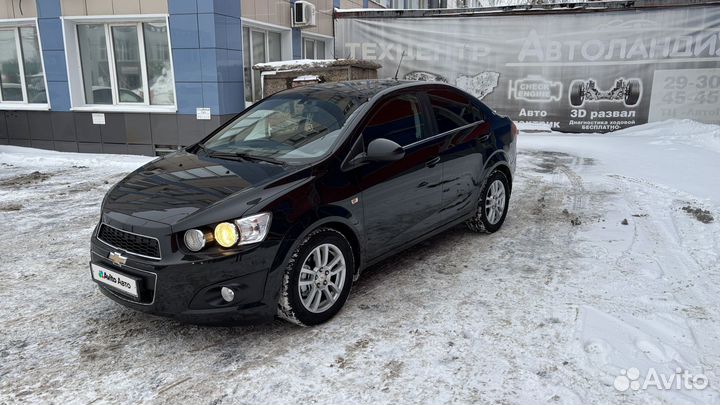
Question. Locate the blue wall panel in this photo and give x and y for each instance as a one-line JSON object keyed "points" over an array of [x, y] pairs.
{"points": [[207, 55], [55, 68], [184, 31], [53, 50], [53, 38], [48, 8], [296, 43], [183, 6], [189, 97]]}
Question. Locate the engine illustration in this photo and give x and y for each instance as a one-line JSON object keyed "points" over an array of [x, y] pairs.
{"points": [[535, 88], [626, 91]]}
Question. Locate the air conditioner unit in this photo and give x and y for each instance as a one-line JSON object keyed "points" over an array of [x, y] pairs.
{"points": [[303, 14]]}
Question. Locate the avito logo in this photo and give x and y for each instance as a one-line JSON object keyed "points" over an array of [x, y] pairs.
{"points": [[115, 280], [106, 276]]}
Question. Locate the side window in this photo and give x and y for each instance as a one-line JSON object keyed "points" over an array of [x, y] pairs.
{"points": [[397, 119], [453, 110]]}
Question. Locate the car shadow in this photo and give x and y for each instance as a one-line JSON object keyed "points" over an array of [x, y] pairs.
{"points": [[378, 272]]}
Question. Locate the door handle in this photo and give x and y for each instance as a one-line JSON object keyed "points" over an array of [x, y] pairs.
{"points": [[432, 162]]}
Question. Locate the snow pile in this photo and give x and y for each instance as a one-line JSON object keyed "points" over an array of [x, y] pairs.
{"points": [[676, 131], [534, 126], [313, 64], [681, 155], [40, 158], [307, 78]]}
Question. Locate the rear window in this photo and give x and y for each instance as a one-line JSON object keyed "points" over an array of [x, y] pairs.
{"points": [[399, 120], [453, 110]]}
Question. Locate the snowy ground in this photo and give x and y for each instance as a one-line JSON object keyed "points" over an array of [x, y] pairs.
{"points": [[548, 310]]}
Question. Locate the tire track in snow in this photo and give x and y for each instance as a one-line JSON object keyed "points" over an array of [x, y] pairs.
{"points": [[691, 291]]}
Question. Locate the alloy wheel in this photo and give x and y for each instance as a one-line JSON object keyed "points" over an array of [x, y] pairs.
{"points": [[495, 202], [322, 278]]}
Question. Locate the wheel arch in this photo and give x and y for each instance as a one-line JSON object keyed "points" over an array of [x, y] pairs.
{"points": [[349, 233], [310, 223], [505, 169], [498, 161]]}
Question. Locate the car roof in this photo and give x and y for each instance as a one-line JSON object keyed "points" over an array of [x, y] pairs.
{"points": [[364, 89]]}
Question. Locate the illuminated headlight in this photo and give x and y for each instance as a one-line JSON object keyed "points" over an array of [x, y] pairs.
{"points": [[253, 229], [194, 239], [226, 234]]}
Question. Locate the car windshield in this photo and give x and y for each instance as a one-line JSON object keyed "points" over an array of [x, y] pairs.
{"points": [[287, 128]]}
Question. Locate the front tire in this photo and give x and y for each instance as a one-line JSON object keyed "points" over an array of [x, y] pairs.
{"points": [[317, 279], [493, 205]]}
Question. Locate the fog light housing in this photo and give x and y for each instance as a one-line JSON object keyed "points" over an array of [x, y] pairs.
{"points": [[227, 294], [194, 239]]}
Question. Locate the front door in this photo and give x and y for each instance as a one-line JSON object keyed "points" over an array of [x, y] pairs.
{"points": [[401, 199]]}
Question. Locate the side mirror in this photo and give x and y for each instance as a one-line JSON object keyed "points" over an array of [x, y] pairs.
{"points": [[384, 150]]}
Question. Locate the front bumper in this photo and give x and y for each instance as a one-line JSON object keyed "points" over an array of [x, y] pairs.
{"points": [[189, 290]]}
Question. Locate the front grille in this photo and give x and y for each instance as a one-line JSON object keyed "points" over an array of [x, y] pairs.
{"points": [[133, 243]]}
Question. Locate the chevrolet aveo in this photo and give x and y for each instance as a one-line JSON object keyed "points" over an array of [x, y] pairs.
{"points": [[279, 210]]}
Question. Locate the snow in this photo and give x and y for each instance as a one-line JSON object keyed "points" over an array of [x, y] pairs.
{"points": [[300, 64], [307, 78], [680, 154], [296, 64], [542, 311]]}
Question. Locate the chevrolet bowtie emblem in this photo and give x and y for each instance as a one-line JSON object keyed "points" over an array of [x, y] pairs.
{"points": [[117, 258]]}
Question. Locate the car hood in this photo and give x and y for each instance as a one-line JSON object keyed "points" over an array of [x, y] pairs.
{"points": [[183, 185]]}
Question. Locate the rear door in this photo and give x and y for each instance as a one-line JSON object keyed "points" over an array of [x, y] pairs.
{"points": [[401, 199], [467, 143]]}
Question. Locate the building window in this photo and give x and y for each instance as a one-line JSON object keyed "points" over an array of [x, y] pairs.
{"points": [[125, 64], [22, 77], [259, 46], [313, 48], [468, 3]]}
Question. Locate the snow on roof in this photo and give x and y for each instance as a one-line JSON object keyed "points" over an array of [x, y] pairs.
{"points": [[307, 78], [300, 64]]}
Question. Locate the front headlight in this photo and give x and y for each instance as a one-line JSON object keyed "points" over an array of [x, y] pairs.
{"points": [[226, 234], [253, 229], [243, 231], [194, 239]]}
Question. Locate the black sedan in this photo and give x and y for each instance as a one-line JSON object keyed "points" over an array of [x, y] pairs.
{"points": [[279, 210]]}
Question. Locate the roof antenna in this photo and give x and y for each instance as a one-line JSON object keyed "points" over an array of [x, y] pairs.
{"points": [[399, 63]]}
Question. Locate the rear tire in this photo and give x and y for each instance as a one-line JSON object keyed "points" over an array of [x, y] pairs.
{"points": [[493, 204], [317, 279]]}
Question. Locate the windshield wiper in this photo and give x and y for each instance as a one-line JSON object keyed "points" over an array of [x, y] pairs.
{"points": [[201, 147], [240, 155], [259, 158]]}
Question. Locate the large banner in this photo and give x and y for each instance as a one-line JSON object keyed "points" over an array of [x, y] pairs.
{"points": [[574, 71]]}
